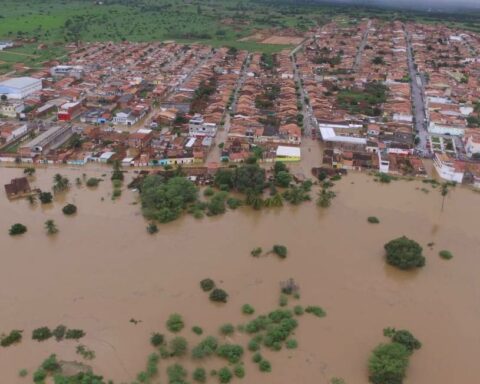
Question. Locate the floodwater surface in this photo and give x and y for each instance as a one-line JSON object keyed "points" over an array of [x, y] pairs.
{"points": [[103, 269]]}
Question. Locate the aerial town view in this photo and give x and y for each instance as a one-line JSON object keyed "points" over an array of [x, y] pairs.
{"points": [[223, 191]]}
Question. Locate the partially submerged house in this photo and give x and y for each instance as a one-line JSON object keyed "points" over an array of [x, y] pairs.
{"points": [[18, 187]]}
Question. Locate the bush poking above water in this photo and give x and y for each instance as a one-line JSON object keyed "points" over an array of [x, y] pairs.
{"points": [[175, 323], [256, 252], [17, 229], [69, 209], [404, 253], [152, 228], [219, 295], [373, 220], [317, 311], [247, 309], [13, 337], [41, 334], [280, 250], [200, 375], [157, 339], [444, 254], [225, 375], [207, 284]]}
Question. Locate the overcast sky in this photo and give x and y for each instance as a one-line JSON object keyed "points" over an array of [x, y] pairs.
{"points": [[418, 3]]}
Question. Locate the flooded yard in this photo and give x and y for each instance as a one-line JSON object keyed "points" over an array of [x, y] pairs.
{"points": [[103, 269]]}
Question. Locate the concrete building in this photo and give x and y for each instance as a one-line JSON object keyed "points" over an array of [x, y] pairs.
{"points": [[47, 141], [20, 87], [75, 71], [198, 127], [12, 108]]}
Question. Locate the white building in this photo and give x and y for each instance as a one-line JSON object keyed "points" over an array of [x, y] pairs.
{"points": [[447, 168], [125, 117], [198, 127], [12, 108], [20, 87], [472, 145], [67, 70]]}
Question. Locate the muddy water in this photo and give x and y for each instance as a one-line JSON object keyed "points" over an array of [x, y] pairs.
{"points": [[103, 269]]}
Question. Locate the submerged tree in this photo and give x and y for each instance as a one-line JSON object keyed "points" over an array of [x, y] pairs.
{"points": [[325, 197], [51, 227], [60, 183]]}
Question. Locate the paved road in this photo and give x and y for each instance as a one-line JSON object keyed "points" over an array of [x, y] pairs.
{"points": [[240, 82], [361, 47], [308, 120], [417, 84]]}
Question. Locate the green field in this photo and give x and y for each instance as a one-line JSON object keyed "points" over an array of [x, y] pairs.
{"points": [[214, 22]]}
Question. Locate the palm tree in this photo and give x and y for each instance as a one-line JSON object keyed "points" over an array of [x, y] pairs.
{"points": [[60, 183], [51, 227], [29, 171], [32, 199], [325, 198], [444, 191]]}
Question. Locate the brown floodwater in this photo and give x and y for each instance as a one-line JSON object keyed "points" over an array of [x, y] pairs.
{"points": [[103, 269]]}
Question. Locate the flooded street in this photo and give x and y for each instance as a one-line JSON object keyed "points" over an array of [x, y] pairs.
{"points": [[103, 269]]}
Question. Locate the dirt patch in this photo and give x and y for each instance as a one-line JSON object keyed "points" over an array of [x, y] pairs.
{"points": [[283, 40]]}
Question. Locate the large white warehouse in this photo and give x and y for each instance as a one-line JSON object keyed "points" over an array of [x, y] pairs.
{"points": [[20, 87]]}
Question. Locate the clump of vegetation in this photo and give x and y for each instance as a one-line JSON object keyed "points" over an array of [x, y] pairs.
{"points": [[165, 200], [59, 332], [256, 252], [404, 253], [74, 334], [239, 371], [444, 254], [225, 375], [45, 197], [207, 284], [373, 220], [93, 182], [178, 346], [86, 353], [176, 374], [389, 362], [403, 337], [51, 364], [209, 191], [254, 345], [247, 309], [205, 348], [227, 329], [13, 337], [280, 250], [69, 209], [257, 358], [232, 352], [152, 228], [157, 339], [17, 229], [283, 300], [234, 203], [29, 171], [199, 375], [175, 323], [60, 183], [51, 227], [23, 372], [298, 310], [291, 344], [315, 310], [265, 366], [325, 197], [219, 295], [41, 334], [197, 330]]}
